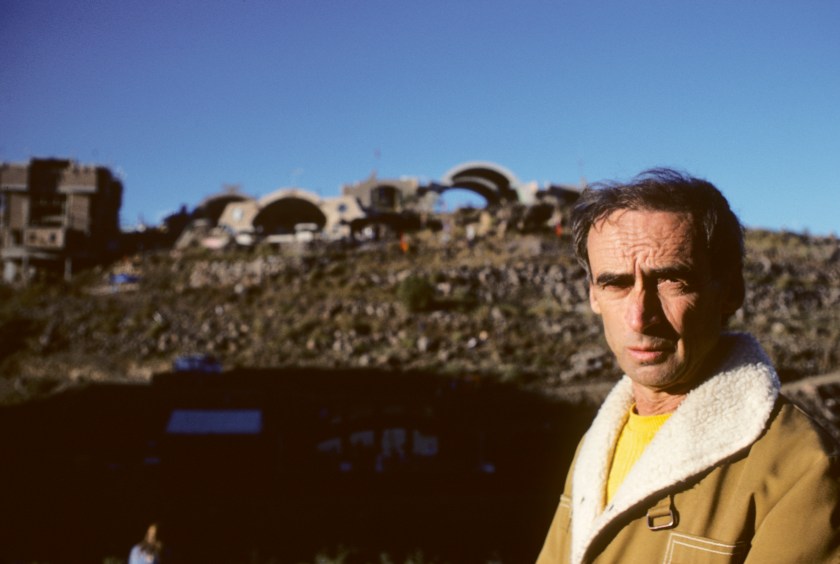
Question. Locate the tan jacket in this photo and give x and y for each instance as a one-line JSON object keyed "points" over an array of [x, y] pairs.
{"points": [[737, 474]]}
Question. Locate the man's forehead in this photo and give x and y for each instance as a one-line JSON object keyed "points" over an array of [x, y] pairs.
{"points": [[648, 218], [643, 234]]}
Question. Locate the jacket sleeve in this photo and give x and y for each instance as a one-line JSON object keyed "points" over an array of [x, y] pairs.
{"points": [[804, 525], [557, 546], [558, 542]]}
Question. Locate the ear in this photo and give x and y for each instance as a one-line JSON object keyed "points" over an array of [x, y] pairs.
{"points": [[733, 297], [593, 301]]}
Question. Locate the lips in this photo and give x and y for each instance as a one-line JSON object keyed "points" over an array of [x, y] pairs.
{"points": [[649, 354]]}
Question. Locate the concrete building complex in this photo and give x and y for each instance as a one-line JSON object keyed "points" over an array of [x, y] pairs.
{"points": [[56, 214], [292, 214]]}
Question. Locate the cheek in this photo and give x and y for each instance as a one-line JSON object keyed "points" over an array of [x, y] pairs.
{"points": [[613, 323], [694, 316], [678, 315]]}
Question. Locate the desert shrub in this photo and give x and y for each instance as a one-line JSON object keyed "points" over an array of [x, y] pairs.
{"points": [[463, 300], [14, 331], [416, 293]]}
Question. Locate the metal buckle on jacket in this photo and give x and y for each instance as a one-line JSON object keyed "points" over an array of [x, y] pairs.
{"points": [[655, 514]]}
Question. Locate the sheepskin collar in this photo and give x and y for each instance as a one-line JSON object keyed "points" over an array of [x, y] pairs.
{"points": [[718, 418]]}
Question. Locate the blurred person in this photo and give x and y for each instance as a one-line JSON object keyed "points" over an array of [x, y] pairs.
{"points": [[404, 245], [149, 550], [694, 456]]}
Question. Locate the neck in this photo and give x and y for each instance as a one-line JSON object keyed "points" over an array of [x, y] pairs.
{"points": [[655, 402]]}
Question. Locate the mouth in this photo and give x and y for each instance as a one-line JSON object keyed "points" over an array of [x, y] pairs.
{"points": [[649, 354]]}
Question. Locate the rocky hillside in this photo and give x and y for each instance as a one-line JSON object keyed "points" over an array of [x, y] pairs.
{"points": [[512, 308]]}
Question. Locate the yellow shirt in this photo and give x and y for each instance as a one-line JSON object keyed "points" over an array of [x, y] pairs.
{"points": [[637, 432]]}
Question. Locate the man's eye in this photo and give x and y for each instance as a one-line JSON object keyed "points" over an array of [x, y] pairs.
{"points": [[615, 285], [673, 283]]}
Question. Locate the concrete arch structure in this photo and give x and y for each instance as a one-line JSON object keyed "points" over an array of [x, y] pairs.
{"points": [[238, 217], [493, 182], [341, 212], [390, 195], [280, 211], [212, 207]]}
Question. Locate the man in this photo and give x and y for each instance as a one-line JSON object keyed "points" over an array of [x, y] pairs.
{"points": [[693, 456]]}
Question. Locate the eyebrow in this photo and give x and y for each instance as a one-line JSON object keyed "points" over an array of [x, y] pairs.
{"points": [[683, 272], [608, 278]]}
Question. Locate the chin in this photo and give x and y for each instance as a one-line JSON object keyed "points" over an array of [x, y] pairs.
{"points": [[655, 377]]}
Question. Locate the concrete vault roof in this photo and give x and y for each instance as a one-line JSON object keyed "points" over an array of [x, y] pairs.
{"points": [[212, 206], [281, 210], [493, 182]]}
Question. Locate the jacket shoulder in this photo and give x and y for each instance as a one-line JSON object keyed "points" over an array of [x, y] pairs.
{"points": [[797, 490], [791, 429]]}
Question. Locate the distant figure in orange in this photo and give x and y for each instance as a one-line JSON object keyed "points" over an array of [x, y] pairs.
{"points": [[149, 550]]}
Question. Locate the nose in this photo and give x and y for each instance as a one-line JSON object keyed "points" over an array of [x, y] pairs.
{"points": [[643, 308]]}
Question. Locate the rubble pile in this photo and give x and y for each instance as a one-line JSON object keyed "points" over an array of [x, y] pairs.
{"points": [[512, 307]]}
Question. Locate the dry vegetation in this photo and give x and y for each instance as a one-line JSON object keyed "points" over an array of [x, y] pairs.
{"points": [[510, 308]]}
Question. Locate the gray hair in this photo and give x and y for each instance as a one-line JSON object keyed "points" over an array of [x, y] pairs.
{"points": [[665, 189]]}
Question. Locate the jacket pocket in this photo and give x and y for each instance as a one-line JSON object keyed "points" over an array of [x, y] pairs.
{"points": [[565, 504], [689, 549], [563, 516]]}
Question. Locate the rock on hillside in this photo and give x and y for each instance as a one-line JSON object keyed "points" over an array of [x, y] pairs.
{"points": [[512, 308]]}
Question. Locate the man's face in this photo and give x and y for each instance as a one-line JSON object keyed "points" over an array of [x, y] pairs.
{"points": [[652, 286]]}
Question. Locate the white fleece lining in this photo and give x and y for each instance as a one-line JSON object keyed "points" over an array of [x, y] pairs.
{"points": [[718, 418]]}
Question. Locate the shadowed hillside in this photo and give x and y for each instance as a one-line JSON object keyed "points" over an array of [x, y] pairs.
{"points": [[283, 465], [512, 309], [437, 390]]}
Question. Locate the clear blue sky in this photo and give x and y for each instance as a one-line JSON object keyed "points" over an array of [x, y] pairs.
{"points": [[182, 97]]}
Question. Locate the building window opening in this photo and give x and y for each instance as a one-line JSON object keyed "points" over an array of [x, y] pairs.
{"points": [[47, 210], [385, 198]]}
